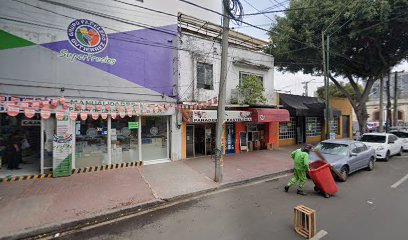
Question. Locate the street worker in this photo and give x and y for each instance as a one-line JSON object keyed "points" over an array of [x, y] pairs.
{"points": [[301, 158]]}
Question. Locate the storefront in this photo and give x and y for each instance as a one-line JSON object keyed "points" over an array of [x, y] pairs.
{"points": [[84, 133], [262, 132], [307, 118], [199, 131]]}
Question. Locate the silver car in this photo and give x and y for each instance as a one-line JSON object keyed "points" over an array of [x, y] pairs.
{"points": [[346, 156]]}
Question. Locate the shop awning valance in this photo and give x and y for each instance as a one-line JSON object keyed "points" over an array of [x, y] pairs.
{"points": [[269, 115], [301, 105]]}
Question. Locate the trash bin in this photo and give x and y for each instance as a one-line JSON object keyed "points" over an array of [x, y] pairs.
{"points": [[322, 178]]}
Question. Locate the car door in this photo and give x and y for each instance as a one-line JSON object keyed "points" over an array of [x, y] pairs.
{"points": [[364, 155], [354, 157], [394, 144]]}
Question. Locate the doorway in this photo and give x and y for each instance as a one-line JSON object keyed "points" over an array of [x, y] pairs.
{"points": [[346, 126], [300, 130]]}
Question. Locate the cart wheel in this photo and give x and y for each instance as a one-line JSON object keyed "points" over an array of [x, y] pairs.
{"points": [[316, 189], [326, 195]]}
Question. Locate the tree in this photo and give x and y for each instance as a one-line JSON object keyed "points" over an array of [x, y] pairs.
{"points": [[367, 38], [335, 92], [251, 89]]}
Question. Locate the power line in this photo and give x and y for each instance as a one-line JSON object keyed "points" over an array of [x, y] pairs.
{"points": [[277, 11]]}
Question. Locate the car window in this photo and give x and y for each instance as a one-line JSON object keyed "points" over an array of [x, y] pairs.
{"points": [[332, 148], [401, 134], [361, 147], [373, 138], [354, 148]]}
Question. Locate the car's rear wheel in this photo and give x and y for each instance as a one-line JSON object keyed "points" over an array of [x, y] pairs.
{"points": [[387, 156], [400, 152], [344, 174], [370, 166]]}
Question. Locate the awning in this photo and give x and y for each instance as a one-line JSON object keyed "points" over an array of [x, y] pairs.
{"points": [[269, 115], [301, 105]]}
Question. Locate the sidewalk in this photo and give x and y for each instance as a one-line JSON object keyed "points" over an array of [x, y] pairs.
{"points": [[32, 204]]}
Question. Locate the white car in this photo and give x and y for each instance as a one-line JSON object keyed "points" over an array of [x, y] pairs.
{"points": [[403, 135], [385, 144]]}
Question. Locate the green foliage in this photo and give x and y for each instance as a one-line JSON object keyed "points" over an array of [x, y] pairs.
{"points": [[251, 89], [367, 39], [335, 92]]}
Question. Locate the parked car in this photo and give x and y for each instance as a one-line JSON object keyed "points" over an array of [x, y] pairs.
{"points": [[346, 156], [403, 135], [385, 144]]}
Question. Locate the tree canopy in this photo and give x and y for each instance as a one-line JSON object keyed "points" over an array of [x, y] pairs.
{"points": [[251, 89], [335, 92], [367, 38]]}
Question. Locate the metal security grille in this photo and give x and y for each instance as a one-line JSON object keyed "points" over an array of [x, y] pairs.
{"points": [[335, 125], [313, 126], [287, 130]]}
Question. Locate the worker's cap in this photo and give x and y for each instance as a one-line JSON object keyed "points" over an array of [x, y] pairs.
{"points": [[307, 148]]}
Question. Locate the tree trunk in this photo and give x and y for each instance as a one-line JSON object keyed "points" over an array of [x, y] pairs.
{"points": [[362, 116]]}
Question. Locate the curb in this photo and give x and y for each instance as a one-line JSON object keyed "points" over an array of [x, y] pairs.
{"points": [[50, 230], [74, 171]]}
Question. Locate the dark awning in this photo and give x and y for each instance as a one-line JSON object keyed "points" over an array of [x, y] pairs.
{"points": [[269, 115], [301, 105]]}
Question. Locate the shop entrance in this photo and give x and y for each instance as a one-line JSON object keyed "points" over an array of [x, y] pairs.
{"points": [[26, 133], [200, 140]]}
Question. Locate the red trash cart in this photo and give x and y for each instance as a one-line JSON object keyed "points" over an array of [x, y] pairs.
{"points": [[322, 178]]}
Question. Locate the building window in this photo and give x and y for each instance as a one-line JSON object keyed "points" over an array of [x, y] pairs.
{"points": [[205, 76], [91, 143], [243, 75], [154, 138], [287, 130], [313, 126], [125, 141], [335, 125]]}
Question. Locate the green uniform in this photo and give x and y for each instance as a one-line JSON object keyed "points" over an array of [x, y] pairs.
{"points": [[301, 167]]}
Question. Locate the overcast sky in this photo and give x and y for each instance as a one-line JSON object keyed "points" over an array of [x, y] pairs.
{"points": [[283, 81]]}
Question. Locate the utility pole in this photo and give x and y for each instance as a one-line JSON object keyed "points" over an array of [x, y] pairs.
{"points": [[326, 85], [388, 103], [381, 112], [219, 151], [327, 90], [396, 99]]}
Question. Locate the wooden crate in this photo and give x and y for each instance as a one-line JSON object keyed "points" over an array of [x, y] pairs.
{"points": [[305, 221]]}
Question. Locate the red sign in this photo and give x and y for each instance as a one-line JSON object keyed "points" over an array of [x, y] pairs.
{"points": [[113, 115], [104, 115]]}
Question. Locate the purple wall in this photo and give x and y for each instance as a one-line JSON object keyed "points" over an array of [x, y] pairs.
{"points": [[144, 57]]}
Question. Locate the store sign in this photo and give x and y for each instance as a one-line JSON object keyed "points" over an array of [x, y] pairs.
{"points": [[30, 123], [197, 116], [62, 148], [88, 37], [133, 125]]}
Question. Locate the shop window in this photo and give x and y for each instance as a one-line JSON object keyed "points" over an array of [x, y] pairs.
{"points": [[287, 130], [125, 139], [154, 138], [313, 126], [91, 143], [335, 125], [205, 76], [243, 75]]}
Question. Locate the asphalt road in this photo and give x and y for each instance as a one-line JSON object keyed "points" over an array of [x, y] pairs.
{"points": [[366, 207]]}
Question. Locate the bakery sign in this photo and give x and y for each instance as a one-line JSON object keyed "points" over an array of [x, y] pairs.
{"points": [[197, 116]]}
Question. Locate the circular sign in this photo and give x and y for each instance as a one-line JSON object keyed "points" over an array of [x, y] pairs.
{"points": [[87, 36], [154, 131]]}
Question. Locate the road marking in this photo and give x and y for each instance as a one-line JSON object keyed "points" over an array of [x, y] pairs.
{"points": [[395, 185], [319, 235]]}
